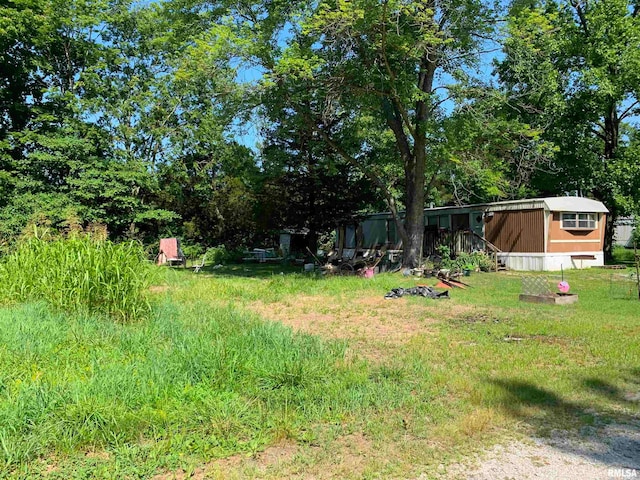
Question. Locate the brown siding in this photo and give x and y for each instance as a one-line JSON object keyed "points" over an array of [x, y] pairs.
{"points": [[517, 230], [575, 240]]}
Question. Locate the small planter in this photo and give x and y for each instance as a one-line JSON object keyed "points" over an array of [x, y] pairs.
{"points": [[555, 299], [466, 272]]}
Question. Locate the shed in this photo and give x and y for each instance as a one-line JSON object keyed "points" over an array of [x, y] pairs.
{"points": [[624, 228]]}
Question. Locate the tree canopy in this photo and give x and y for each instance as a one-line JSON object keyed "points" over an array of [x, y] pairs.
{"points": [[222, 121], [573, 70]]}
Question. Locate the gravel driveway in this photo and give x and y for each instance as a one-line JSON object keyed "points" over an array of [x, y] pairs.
{"points": [[597, 454]]}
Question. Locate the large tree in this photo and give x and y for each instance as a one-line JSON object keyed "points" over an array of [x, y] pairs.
{"points": [[97, 97], [371, 78], [213, 193], [56, 160], [380, 73], [573, 69], [306, 186]]}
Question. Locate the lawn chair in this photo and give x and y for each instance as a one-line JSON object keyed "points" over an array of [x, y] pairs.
{"points": [[170, 253], [198, 266]]}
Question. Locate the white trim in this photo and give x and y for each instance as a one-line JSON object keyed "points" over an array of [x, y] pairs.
{"points": [[574, 204], [547, 216], [576, 218], [574, 241], [550, 261], [539, 254], [553, 204]]}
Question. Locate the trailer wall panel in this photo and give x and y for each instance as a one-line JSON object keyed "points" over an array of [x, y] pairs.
{"points": [[517, 230]]}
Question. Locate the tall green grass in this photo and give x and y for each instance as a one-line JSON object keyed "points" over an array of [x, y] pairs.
{"points": [[623, 255], [79, 274], [192, 379]]}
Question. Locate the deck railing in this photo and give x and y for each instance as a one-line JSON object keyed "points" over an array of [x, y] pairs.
{"points": [[461, 241]]}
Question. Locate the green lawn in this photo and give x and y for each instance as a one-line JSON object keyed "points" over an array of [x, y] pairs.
{"points": [[400, 387]]}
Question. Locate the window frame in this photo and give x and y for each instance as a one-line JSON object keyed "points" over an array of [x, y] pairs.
{"points": [[591, 217]]}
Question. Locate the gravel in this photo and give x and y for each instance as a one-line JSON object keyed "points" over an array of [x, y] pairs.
{"points": [[596, 454]]}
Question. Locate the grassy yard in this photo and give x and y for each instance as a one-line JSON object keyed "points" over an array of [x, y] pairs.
{"points": [[256, 372]]}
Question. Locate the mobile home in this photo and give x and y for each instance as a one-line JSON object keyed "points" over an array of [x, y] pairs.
{"points": [[530, 234]]}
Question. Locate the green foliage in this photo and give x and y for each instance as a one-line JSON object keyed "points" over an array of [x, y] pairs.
{"points": [[475, 261], [466, 261], [80, 274], [214, 195], [200, 380], [492, 154], [192, 251], [95, 96], [444, 251], [219, 255], [53, 159], [622, 254], [571, 70]]}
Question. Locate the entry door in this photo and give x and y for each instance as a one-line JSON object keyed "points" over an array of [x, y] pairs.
{"points": [[460, 221], [477, 226], [431, 240]]}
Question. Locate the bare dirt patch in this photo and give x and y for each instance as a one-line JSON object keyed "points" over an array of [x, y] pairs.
{"points": [[275, 457], [98, 454], [370, 322]]}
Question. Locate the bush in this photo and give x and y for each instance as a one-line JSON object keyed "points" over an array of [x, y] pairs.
{"points": [[482, 261], [217, 255], [469, 261], [193, 251], [222, 255], [622, 254], [81, 274]]}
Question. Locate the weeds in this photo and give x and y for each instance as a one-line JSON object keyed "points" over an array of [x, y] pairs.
{"points": [[80, 274], [622, 254], [198, 380], [201, 378]]}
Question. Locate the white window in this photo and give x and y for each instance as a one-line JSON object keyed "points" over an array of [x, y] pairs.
{"points": [[579, 221]]}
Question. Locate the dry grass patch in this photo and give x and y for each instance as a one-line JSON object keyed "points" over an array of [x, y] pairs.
{"points": [[375, 326], [260, 465], [158, 288], [350, 456]]}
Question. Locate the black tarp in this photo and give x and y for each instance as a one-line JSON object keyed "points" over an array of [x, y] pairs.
{"points": [[427, 292]]}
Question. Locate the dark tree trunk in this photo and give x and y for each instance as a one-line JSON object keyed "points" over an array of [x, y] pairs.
{"points": [[414, 226], [312, 236], [414, 220], [312, 241], [414, 157], [611, 133], [609, 232], [416, 166], [409, 127]]}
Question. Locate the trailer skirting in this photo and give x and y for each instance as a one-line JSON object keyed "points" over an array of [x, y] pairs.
{"points": [[551, 261]]}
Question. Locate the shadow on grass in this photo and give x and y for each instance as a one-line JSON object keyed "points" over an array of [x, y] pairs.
{"points": [[608, 434], [246, 270]]}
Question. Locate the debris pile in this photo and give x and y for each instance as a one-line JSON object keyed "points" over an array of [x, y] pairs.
{"points": [[421, 291]]}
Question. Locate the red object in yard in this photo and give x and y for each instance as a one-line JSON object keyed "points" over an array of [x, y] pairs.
{"points": [[442, 285], [170, 252]]}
